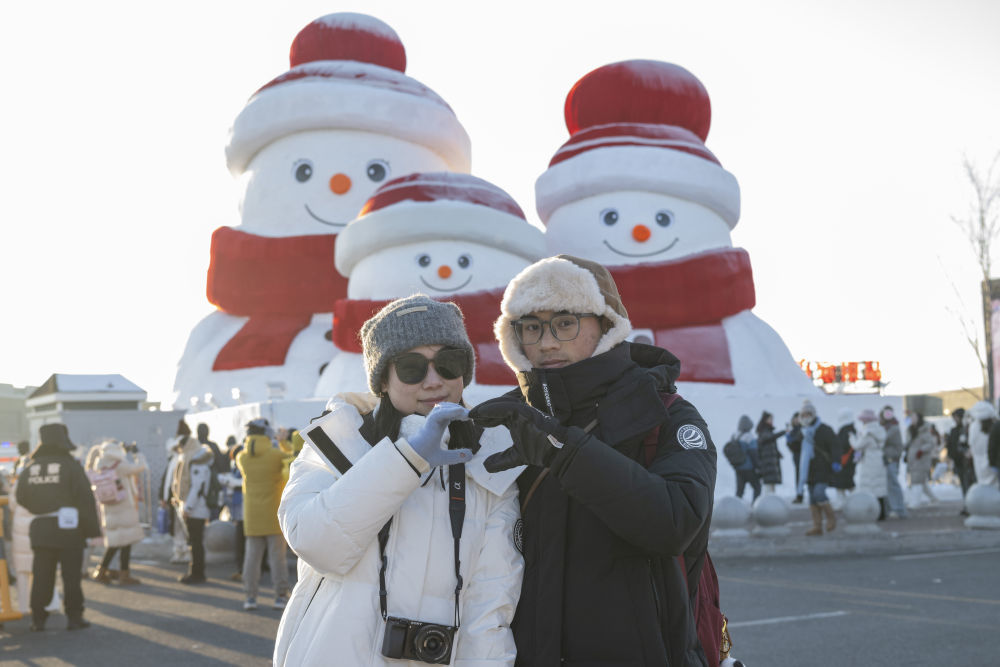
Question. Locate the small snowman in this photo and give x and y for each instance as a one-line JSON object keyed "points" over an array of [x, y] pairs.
{"points": [[309, 148], [451, 236], [635, 189]]}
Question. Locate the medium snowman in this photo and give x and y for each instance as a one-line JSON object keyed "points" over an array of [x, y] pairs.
{"points": [[309, 148], [451, 236], [636, 189]]}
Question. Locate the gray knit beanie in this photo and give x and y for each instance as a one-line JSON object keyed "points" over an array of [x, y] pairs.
{"points": [[408, 323]]}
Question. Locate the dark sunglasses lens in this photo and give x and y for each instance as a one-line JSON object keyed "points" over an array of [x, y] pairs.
{"points": [[411, 368], [450, 364]]}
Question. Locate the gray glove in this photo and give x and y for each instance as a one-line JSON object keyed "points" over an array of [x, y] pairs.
{"points": [[427, 441]]}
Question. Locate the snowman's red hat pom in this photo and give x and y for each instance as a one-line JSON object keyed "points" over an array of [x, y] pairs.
{"points": [[349, 36], [639, 91]]}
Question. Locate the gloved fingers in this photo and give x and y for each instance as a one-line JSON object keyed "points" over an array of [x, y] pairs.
{"points": [[505, 460], [492, 413], [448, 412], [447, 457]]}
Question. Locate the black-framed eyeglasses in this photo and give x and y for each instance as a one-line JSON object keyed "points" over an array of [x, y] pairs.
{"points": [[564, 327], [449, 362]]}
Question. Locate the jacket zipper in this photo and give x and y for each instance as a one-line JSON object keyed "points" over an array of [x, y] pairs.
{"points": [[652, 585], [548, 396]]}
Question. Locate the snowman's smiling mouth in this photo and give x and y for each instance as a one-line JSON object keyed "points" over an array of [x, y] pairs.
{"points": [[442, 289], [644, 254], [319, 219]]}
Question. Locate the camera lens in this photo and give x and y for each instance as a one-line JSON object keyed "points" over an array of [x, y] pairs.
{"points": [[432, 643]]}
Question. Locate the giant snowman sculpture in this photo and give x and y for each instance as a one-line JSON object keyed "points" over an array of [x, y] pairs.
{"points": [[451, 236], [310, 148], [636, 189]]}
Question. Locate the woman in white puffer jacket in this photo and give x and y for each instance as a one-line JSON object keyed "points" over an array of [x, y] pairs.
{"points": [[867, 442], [365, 472]]}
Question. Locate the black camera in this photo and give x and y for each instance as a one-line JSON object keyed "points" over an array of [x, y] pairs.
{"points": [[416, 640]]}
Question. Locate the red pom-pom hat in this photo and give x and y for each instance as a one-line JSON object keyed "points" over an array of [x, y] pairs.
{"points": [[638, 125], [347, 72], [436, 206]]}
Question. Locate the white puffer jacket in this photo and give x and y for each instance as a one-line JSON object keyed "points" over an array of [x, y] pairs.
{"points": [[119, 521], [332, 519], [869, 439]]}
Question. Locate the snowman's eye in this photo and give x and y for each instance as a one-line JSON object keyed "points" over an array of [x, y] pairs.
{"points": [[464, 261], [609, 216], [303, 170], [377, 170], [664, 218], [424, 260]]}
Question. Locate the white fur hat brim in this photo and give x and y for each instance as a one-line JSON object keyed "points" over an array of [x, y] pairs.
{"points": [[554, 284]]}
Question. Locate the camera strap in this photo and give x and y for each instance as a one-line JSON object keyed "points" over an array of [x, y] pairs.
{"points": [[456, 512]]}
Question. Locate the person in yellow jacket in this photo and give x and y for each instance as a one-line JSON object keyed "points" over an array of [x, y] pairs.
{"points": [[262, 465]]}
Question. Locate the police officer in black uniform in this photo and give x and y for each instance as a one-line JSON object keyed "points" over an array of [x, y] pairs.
{"points": [[54, 487]]}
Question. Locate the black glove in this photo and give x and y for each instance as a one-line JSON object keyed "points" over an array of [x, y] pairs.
{"points": [[529, 429]]}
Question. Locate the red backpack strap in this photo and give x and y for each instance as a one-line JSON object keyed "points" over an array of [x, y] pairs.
{"points": [[653, 437]]}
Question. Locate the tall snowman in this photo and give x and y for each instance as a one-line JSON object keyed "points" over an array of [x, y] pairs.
{"points": [[636, 189], [451, 236], [309, 148]]}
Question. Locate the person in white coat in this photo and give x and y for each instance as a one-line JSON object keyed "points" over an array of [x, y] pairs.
{"points": [[867, 442], [119, 518], [390, 573], [919, 457]]}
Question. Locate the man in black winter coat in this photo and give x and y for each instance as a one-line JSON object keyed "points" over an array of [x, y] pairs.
{"points": [[54, 487], [618, 488]]}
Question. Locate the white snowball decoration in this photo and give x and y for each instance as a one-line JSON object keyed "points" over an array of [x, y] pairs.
{"points": [[220, 542], [861, 511], [983, 503], [730, 517], [770, 516]]}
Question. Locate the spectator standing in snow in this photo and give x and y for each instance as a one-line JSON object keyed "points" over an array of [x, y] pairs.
{"points": [[957, 447], [867, 442], [262, 464], [823, 460], [920, 456], [120, 519], [189, 489], [768, 453], [892, 451], [842, 481], [747, 471], [793, 439]]}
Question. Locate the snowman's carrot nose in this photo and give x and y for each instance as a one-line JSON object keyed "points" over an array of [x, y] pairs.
{"points": [[444, 271], [641, 233], [340, 184]]}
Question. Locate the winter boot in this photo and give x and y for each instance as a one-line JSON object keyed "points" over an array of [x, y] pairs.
{"points": [[125, 579], [101, 575], [38, 620], [817, 516], [77, 623], [883, 508], [831, 518]]}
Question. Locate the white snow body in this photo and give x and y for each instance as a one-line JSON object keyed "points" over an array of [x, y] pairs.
{"points": [[648, 227], [278, 201], [402, 270]]}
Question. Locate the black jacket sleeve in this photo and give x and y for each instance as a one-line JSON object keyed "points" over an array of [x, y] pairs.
{"points": [[659, 509]]}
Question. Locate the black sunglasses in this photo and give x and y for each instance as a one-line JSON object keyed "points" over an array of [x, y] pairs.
{"points": [[449, 362]]}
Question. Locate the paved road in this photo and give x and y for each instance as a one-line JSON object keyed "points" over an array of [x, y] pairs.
{"points": [[161, 622], [931, 608]]}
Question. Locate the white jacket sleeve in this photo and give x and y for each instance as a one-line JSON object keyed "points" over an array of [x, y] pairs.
{"points": [[492, 590], [329, 520]]}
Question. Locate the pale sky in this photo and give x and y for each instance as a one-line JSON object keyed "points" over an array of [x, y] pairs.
{"points": [[845, 123]]}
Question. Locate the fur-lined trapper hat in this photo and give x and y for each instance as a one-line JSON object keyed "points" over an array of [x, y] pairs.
{"points": [[561, 283]]}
